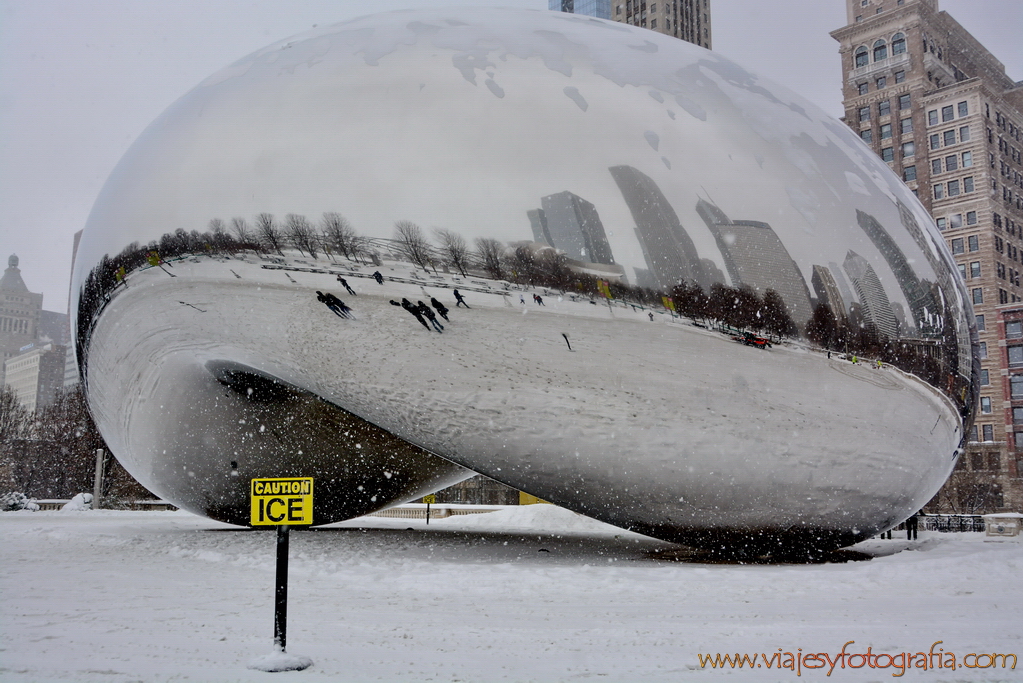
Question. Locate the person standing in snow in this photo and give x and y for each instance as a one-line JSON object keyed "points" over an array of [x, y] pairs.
{"points": [[460, 300], [378, 277], [441, 308], [414, 310], [427, 313], [539, 300], [344, 283]]}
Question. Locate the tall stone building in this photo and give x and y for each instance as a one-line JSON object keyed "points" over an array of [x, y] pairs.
{"points": [[684, 19], [939, 108], [20, 312]]}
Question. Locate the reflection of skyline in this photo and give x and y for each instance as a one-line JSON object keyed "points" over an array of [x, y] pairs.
{"points": [[571, 224], [877, 309], [755, 256], [827, 291], [921, 306], [670, 254]]}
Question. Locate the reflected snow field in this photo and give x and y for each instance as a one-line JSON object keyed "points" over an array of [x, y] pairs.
{"points": [[115, 597]]}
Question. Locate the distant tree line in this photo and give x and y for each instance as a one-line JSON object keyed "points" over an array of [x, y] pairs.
{"points": [[51, 453]]}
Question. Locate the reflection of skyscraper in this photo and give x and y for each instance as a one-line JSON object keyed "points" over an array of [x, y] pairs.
{"points": [[877, 310], [754, 256], [920, 304], [593, 8], [827, 291], [538, 222], [575, 228], [669, 251]]}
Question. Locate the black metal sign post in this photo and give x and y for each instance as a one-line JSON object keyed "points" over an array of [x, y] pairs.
{"points": [[281, 502], [281, 590]]}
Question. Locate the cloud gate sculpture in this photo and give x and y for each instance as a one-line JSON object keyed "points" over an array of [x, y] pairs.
{"points": [[655, 273]]}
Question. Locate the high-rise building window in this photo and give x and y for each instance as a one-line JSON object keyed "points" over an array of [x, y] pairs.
{"points": [[884, 108], [861, 88], [881, 82], [908, 149], [947, 113], [971, 217], [886, 131], [898, 43], [909, 173], [957, 245], [939, 191], [935, 140], [951, 162], [880, 50], [1016, 382], [985, 379], [904, 100], [888, 154], [964, 108], [978, 295], [900, 76], [962, 270], [862, 58], [967, 159], [973, 433], [1015, 354], [982, 349], [949, 137], [935, 166], [863, 113], [955, 221], [974, 269], [973, 243], [989, 431], [968, 184], [866, 135], [906, 126], [932, 117]]}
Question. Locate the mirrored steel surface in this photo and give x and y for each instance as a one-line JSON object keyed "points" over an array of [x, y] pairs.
{"points": [[511, 155]]}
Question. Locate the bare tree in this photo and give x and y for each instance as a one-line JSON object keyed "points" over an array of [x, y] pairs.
{"points": [[412, 243], [454, 248], [14, 419], [268, 233], [490, 253], [241, 229], [300, 233], [338, 232]]}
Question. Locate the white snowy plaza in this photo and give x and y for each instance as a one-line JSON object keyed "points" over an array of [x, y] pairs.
{"points": [[534, 593]]}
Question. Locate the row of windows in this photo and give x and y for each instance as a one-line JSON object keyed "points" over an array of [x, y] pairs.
{"points": [[953, 188], [881, 82], [952, 162], [948, 138], [1006, 124], [879, 50], [884, 108], [885, 130], [948, 113], [14, 325], [956, 221]]}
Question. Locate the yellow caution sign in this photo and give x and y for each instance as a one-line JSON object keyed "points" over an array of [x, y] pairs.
{"points": [[282, 501], [430, 499]]}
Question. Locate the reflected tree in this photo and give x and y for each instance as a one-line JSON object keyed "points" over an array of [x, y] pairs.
{"points": [[455, 249], [269, 234], [489, 253], [411, 242], [300, 234]]}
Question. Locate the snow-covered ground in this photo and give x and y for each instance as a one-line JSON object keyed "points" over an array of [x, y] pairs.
{"points": [[535, 593]]}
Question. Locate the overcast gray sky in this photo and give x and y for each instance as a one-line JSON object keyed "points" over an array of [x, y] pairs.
{"points": [[80, 81]]}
